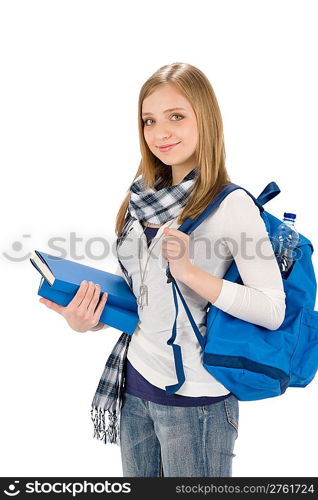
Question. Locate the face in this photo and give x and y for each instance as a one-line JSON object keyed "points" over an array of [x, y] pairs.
{"points": [[165, 124]]}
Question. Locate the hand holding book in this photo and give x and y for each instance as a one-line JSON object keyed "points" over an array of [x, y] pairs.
{"points": [[84, 310], [83, 304]]}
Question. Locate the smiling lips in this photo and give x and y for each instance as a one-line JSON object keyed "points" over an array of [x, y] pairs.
{"points": [[168, 147]]}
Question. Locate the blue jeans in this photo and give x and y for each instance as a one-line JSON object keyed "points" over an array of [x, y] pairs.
{"points": [[159, 440]]}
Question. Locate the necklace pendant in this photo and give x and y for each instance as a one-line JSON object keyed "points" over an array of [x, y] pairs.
{"points": [[143, 296]]}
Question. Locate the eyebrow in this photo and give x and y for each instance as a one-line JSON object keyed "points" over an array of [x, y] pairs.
{"points": [[166, 111]]}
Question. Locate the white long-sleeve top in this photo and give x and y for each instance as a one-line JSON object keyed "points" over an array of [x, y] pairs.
{"points": [[234, 230]]}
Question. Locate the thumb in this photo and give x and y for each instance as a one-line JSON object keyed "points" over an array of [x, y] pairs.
{"points": [[51, 305]]}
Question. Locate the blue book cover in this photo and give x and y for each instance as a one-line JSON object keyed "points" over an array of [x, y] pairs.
{"points": [[61, 278]]}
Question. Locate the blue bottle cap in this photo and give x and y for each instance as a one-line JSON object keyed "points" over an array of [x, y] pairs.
{"points": [[289, 215]]}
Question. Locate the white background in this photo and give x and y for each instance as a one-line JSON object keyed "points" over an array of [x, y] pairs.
{"points": [[71, 74]]}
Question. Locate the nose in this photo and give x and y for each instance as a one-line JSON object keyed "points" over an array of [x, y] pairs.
{"points": [[162, 133]]}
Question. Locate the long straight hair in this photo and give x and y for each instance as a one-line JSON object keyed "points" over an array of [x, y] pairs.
{"points": [[210, 151]]}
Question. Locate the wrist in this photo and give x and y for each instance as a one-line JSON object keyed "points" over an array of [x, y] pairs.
{"points": [[187, 273]]}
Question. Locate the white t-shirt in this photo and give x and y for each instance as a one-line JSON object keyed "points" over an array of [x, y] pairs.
{"points": [[234, 230]]}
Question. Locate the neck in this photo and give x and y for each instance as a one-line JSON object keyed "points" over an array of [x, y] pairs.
{"points": [[179, 172]]}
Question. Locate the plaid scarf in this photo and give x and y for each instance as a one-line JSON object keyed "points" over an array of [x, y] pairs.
{"points": [[157, 207], [108, 394]]}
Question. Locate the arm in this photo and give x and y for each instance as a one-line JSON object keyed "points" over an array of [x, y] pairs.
{"points": [[261, 299]]}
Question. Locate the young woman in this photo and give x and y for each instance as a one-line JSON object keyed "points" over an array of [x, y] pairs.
{"points": [[166, 428]]}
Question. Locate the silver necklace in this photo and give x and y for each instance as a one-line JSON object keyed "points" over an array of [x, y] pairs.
{"points": [[143, 289]]}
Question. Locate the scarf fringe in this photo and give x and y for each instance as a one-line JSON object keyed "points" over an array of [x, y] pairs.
{"points": [[109, 435]]}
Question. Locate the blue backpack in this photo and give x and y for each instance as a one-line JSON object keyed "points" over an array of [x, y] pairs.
{"points": [[252, 361]]}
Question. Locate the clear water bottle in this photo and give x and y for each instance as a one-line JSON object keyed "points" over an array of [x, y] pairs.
{"points": [[285, 239]]}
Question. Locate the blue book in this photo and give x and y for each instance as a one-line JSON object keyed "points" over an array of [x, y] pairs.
{"points": [[61, 278]]}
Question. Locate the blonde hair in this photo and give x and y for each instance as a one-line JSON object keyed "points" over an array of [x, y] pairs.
{"points": [[210, 152]]}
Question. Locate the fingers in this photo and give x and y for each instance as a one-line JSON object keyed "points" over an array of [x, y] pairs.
{"points": [[100, 307], [85, 299], [80, 296], [90, 298], [94, 298]]}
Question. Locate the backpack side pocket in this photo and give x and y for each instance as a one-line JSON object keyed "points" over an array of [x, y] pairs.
{"points": [[304, 362]]}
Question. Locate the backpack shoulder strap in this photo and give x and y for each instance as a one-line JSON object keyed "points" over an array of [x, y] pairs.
{"points": [[189, 225], [269, 192]]}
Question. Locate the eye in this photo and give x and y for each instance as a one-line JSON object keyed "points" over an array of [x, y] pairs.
{"points": [[178, 115], [147, 119]]}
